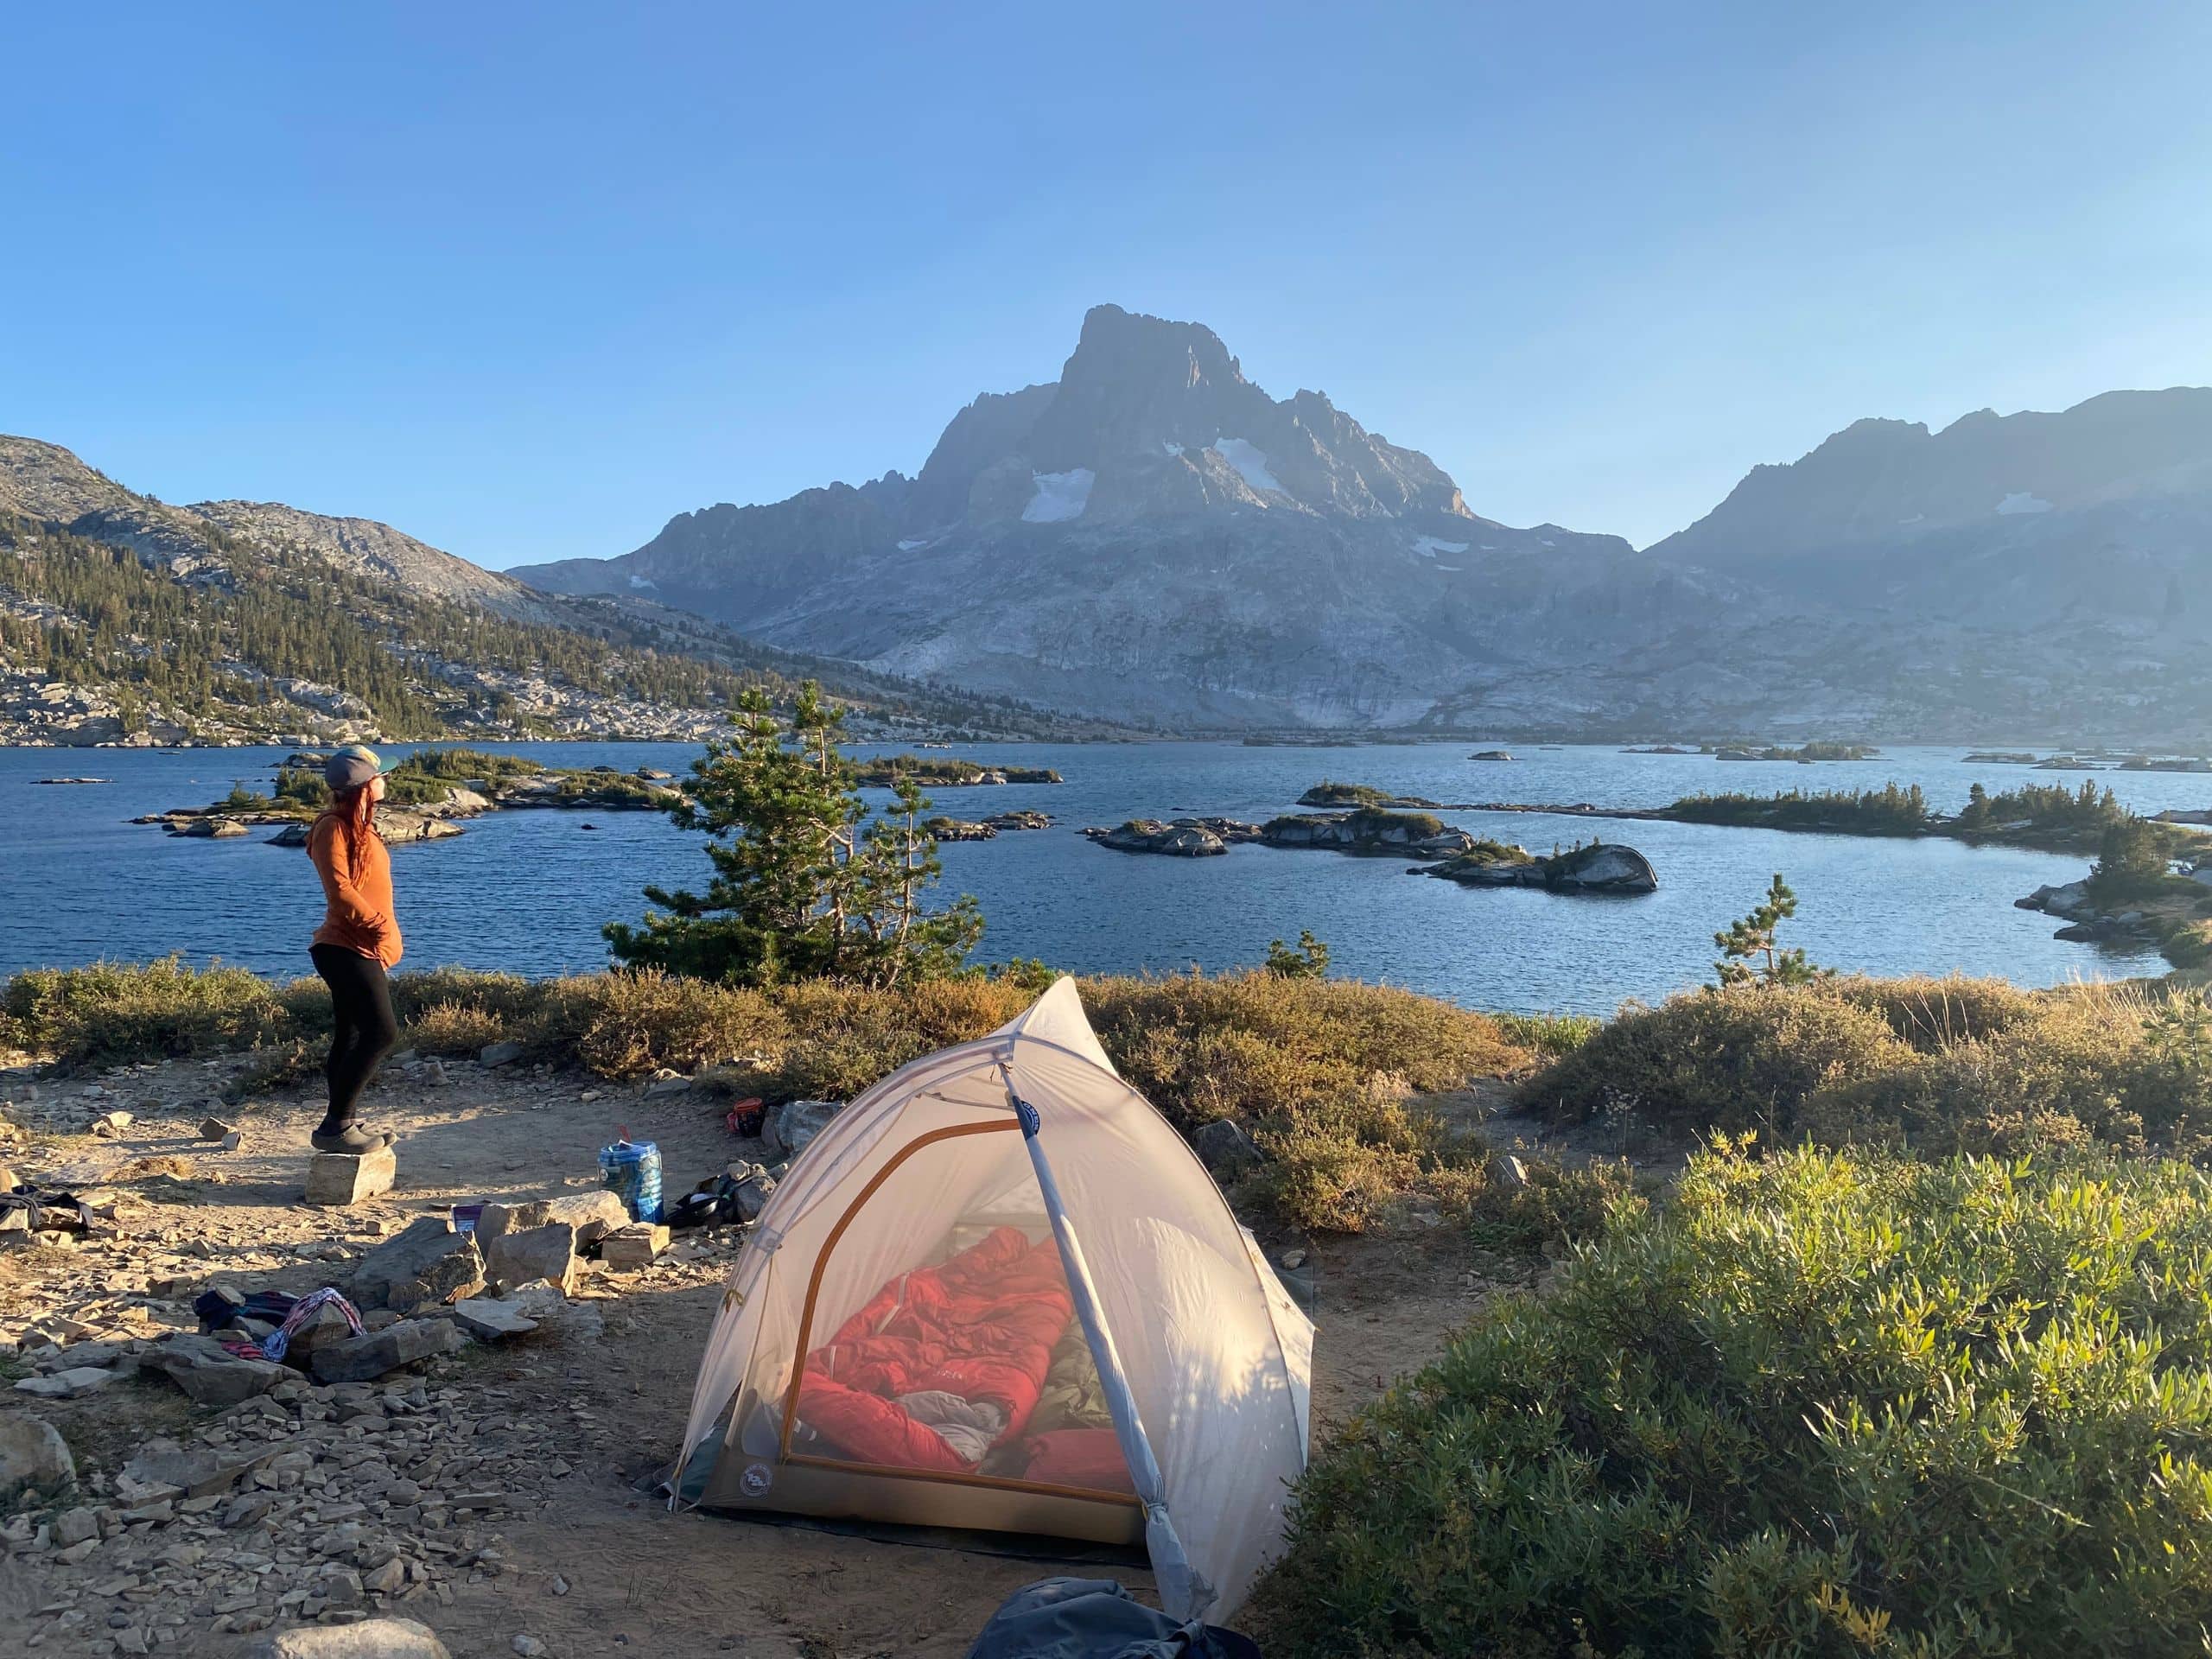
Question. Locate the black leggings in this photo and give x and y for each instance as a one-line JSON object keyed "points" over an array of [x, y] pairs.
{"points": [[363, 1031]]}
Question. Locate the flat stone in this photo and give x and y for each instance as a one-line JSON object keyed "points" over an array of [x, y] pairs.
{"points": [[321, 1328], [339, 1177], [363, 1359], [213, 1128], [196, 1474], [488, 1319], [425, 1265], [74, 1527], [369, 1639], [210, 1375], [33, 1453], [593, 1214], [500, 1054], [546, 1254], [633, 1247], [67, 1385]]}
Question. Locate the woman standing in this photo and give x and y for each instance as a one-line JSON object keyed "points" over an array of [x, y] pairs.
{"points": [[357, 943]]}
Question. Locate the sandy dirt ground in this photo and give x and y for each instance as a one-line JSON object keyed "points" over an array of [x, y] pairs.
{"points": [[565, 1424]]}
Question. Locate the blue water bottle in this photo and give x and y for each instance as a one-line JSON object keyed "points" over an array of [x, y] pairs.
{"points": [[631, 1170]]}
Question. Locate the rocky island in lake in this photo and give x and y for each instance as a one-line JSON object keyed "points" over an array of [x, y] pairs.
{"points": [[426, 792], [946, 771], [1601, 867]]}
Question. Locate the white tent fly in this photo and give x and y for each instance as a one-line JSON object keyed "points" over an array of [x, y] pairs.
{"points": [[998, 1291]]}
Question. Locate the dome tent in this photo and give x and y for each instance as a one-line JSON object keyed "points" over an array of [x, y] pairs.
{"points": [[881, 1351]]}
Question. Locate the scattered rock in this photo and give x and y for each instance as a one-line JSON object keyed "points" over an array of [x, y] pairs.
{"points": [[325, 1327], [536, 1254], [1224, 1148], [633, 1247], [790, 1127], [489, 1320], [33, 1453], [501, 1054], [369, 1639], [209, 1374], [78, 1380], [74, 1527], [213, 1128], [593, 1214], [363, 1359], [427, 1265], [342, 1178]]}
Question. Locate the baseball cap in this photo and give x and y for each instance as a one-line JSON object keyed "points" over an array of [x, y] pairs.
{"points": [[352, 766]]}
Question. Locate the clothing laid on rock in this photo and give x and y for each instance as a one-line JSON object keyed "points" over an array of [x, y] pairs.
{"points": [[356, 870], [273, 1347], [363, 1031]]}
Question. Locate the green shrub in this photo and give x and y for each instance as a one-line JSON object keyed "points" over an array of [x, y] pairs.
{"points": [[1244, 1044], [1555, 1203], [112, 1012], [1818, 1407], [1320, 1071], [1931, 1014], [1553, 1036], [1747, 1057], [2085, 1069], [630, 1025]]}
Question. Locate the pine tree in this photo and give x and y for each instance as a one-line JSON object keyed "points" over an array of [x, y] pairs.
{"points": [[1752, 937], [806, 883]]}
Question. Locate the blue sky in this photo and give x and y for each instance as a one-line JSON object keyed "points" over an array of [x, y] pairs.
{"points": [[525, 280]]}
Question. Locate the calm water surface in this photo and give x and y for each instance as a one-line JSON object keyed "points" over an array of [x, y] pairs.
{"points": [[527, 890]]}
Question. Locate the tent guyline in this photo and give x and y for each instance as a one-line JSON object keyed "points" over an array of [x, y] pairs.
{"points": [[1063, 1331]]}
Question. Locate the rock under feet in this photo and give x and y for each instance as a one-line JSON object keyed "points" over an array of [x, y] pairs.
{"points": [[336, 1177]]}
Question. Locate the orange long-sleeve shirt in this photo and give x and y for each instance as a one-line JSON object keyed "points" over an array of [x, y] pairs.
{"points": [[357, 881]]}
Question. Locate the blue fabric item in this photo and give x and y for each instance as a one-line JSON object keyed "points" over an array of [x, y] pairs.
{"points": [[1030, 1122], [1097, 1618]]}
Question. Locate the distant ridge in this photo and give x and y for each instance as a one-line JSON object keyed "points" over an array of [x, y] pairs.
{"points": [[1152, 537], [125, 619]]}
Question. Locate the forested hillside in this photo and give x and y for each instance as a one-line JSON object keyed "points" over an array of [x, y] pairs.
{"points": [[124, 619]]}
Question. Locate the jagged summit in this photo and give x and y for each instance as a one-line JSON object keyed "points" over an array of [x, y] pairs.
{"points": [[1127, 535]]}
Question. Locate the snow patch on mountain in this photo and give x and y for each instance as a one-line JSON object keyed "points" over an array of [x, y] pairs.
{"points": [[2023, 501], [1429, 546], [1251, 464], [1060, 496]]}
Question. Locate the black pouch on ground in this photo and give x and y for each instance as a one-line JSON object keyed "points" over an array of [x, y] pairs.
{"points": [[1097, 1618]]}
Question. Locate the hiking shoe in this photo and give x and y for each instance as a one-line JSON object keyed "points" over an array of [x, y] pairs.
{"points": [[352, 1138]]}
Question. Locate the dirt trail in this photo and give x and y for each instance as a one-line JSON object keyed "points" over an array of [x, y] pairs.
{"points": [[562, 1424]]}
